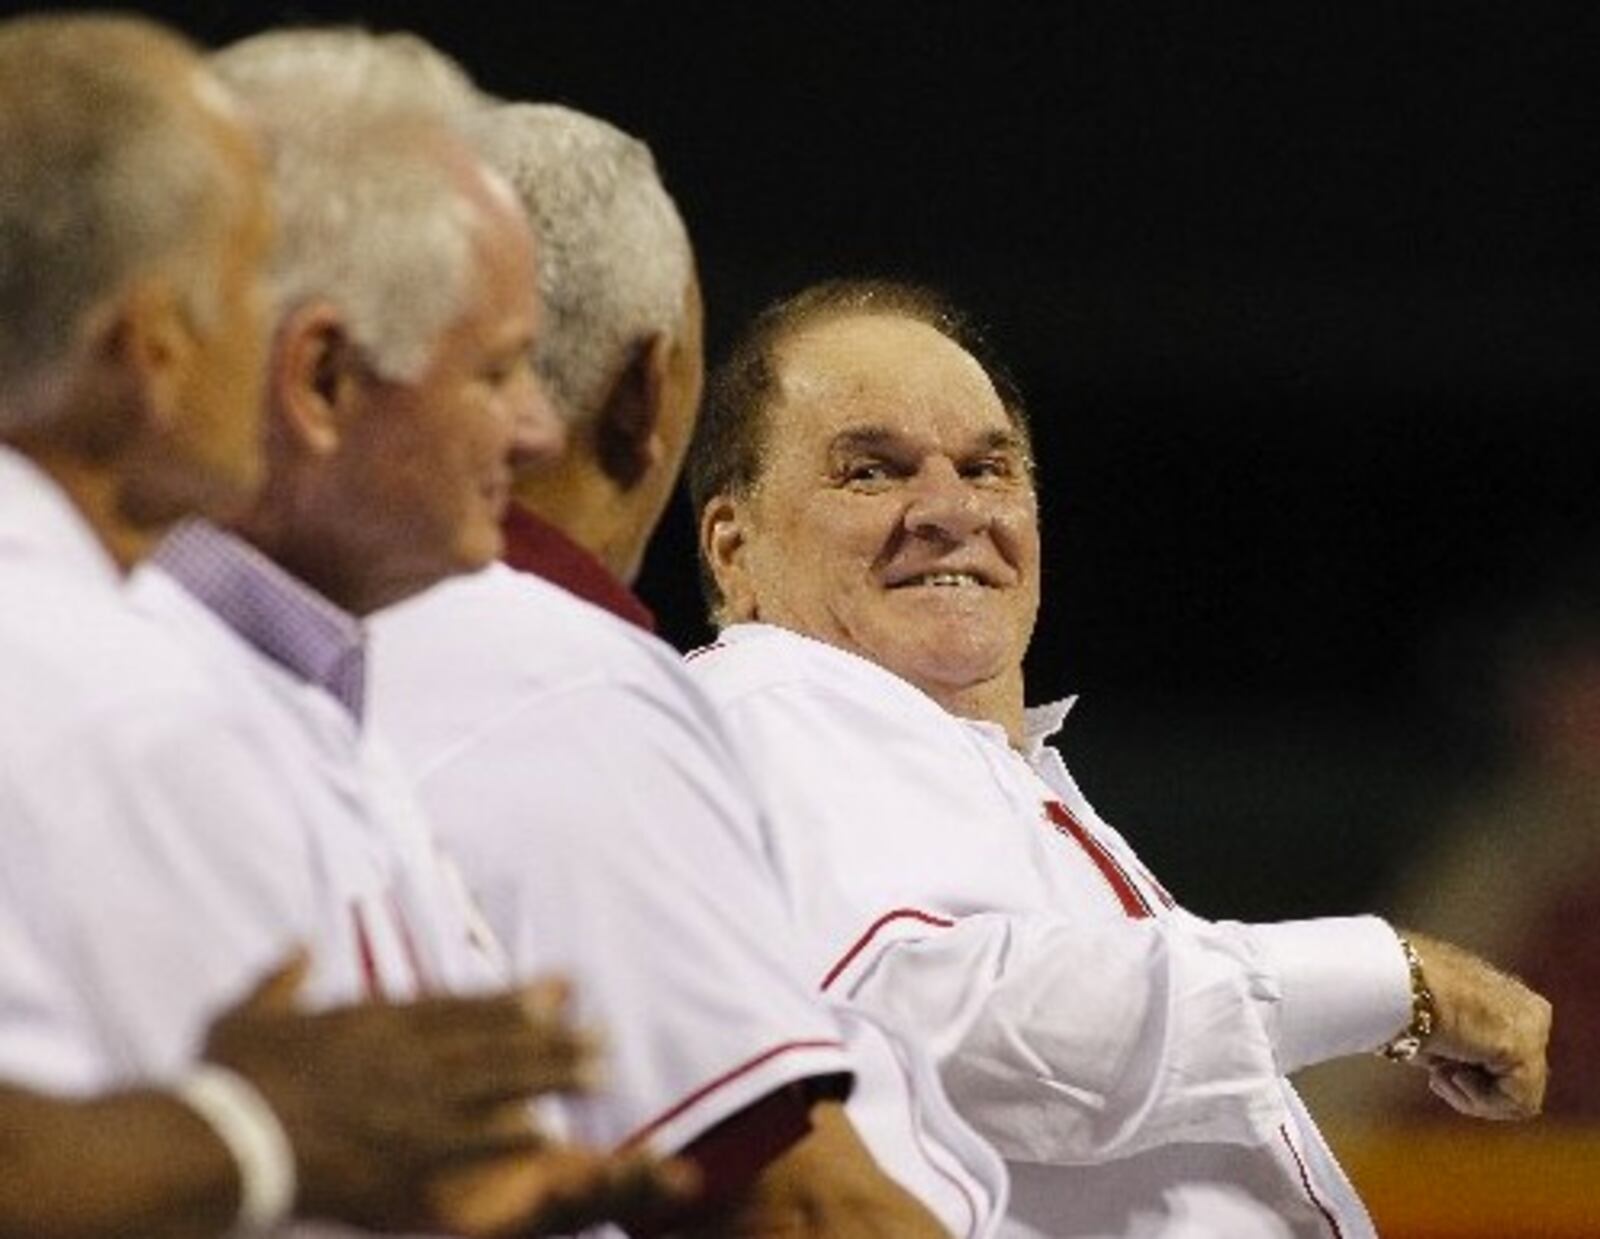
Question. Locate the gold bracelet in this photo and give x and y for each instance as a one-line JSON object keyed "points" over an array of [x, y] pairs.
{"points": [[1424, 1013]]}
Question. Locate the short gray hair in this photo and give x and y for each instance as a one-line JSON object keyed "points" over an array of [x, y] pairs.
{"points": [[366, 219], [106, 171], [614, 256]]}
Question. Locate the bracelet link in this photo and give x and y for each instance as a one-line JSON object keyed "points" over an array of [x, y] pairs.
{"points": [[1406, 1044]]}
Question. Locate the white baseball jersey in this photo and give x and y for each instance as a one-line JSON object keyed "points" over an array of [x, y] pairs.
{"points": [[145, 878], [386, 917], [1126, 1057], [389, 917], [174, 825], [588, 793]]}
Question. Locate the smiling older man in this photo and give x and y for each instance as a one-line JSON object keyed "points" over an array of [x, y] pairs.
{"points": [[869, 520]]}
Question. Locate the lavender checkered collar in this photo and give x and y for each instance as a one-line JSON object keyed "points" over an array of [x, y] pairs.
{"points": [[282, 617]]}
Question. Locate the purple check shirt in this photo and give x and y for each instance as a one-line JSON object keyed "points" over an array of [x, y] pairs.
{"points": [[281, 616]]}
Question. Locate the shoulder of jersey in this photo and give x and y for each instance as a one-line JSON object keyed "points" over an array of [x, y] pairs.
{"points": [[523, 623], [71, 653], [759, 658]]}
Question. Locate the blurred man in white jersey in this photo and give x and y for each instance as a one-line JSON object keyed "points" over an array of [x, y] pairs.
{"points": [[139, 820]]}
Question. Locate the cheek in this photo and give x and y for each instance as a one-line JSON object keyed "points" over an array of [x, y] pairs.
{"points": [[1017, 526]]}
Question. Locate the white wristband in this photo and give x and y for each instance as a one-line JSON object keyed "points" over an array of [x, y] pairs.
{"points": [[244, 1122]]}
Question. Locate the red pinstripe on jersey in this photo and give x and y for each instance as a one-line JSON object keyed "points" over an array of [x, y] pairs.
{"points": [[861, 943], [408, 944], [368, 956], [722, 1081], [1305, 1181], [1122, 886]]}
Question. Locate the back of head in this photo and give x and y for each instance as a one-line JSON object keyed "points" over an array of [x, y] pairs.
{"points": [[362, 135], [107, 169], [614, 256]]}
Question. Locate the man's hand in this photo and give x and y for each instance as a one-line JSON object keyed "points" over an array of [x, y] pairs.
{"points": [[414, 1116], [1486, 1057], [557, 1190], [827, 1186]]}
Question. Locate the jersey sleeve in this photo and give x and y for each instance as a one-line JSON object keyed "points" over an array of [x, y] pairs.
{"points": [[148, 884], [1335, 986], [1063, 1038], [607, 838], [1068, 1043]]}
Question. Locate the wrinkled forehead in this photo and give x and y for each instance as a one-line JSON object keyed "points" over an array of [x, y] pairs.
{"points": [[877, 355], [886, 371]]}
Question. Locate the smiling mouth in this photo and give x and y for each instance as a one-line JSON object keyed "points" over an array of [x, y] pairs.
{"points": [[942, 580]]}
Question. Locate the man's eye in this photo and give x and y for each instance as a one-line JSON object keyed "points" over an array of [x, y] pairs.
{"points": [[499, 373], [867, 471], [991, 467]]}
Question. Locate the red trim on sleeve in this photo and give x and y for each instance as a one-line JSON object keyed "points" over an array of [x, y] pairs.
{"points": [[734, 1152], [1128, 895], [1305, 1180], [726, 1078], [861, 943]]}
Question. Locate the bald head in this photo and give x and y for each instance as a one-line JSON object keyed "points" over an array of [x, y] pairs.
{"points": [[118, 153]]}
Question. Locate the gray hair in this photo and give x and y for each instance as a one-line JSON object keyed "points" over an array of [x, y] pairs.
{"points": [[366, 219], [107, 170], [352, 68], [614, 256]]}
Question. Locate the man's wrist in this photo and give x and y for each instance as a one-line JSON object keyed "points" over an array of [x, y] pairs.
{"points": [[1408, 1042], [247, 1127]]}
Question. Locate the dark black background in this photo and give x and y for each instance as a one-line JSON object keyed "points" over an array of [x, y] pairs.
{"points": [[1304, 299]]}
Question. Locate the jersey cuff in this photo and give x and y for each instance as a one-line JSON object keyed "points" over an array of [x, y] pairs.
{"points": [[1342, 984]]}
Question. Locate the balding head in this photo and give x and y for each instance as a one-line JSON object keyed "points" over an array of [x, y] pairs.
{"points": [[118, 153]]}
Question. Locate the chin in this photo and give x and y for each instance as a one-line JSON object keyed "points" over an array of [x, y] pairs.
{"points": [[479, 549]]}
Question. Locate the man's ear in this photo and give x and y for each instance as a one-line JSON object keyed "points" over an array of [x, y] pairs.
{"points": [[313, 368], [628, 441], [722, 548], [145, 337]]}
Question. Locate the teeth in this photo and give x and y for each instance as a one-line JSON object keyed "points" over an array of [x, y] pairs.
{"points": [[948, 578]]}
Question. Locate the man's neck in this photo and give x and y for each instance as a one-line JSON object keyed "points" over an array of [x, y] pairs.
{"points": [[585, 506], [97, 493], [1000, 701]]}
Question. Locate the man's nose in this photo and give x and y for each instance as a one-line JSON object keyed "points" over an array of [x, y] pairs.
{"points": [[942, 503]]}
